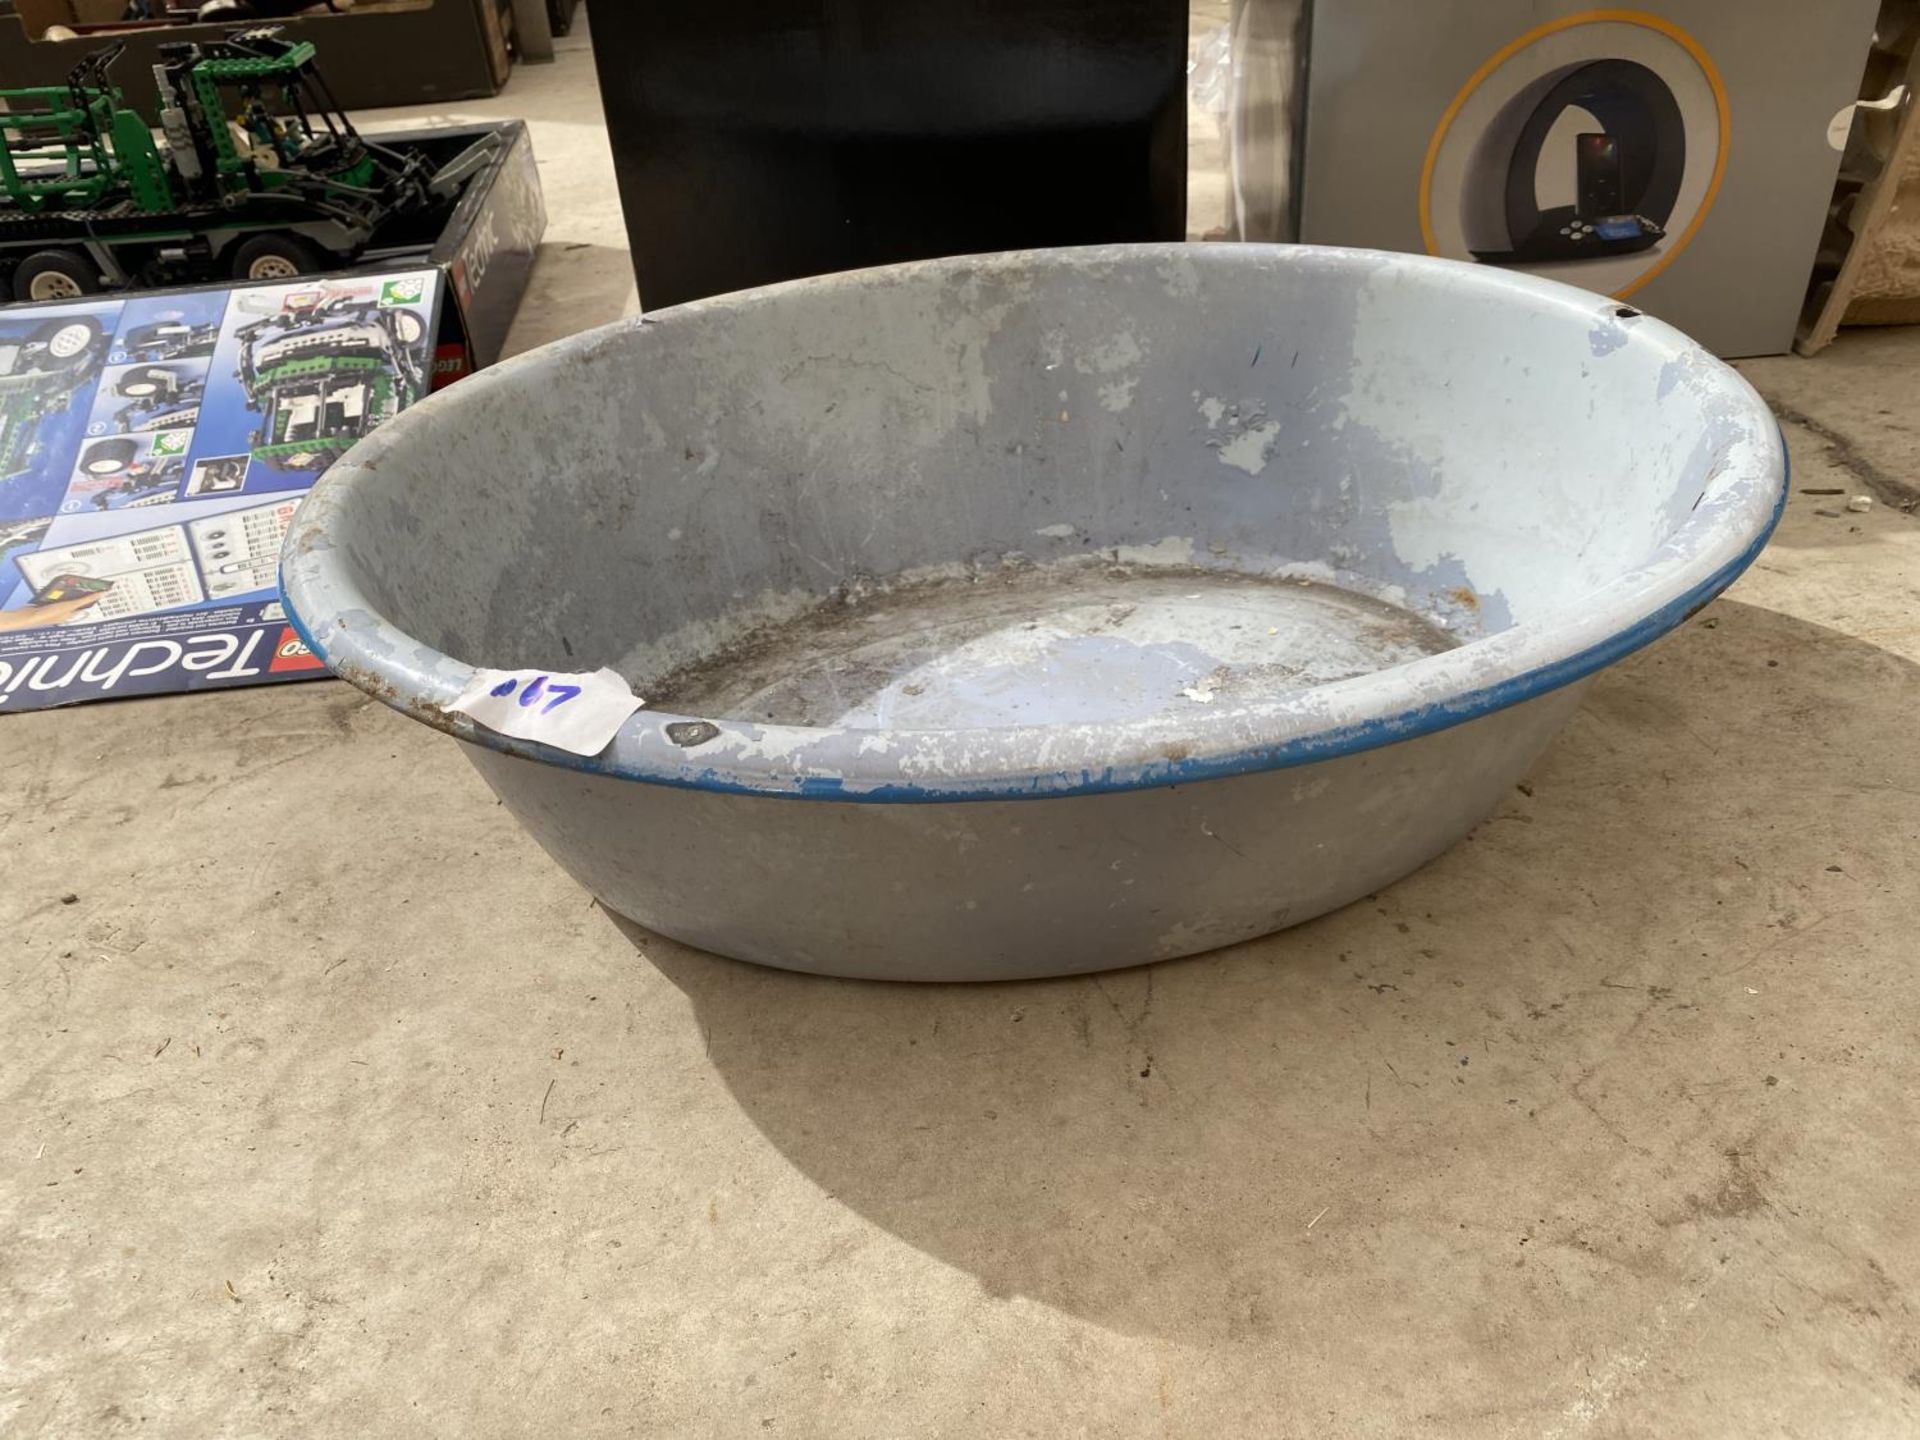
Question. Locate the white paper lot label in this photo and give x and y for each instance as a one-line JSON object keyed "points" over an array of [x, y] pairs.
{"points": [[578, 713]]}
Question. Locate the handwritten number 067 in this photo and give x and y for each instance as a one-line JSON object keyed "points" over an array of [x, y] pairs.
{"points": [[557, 694]]}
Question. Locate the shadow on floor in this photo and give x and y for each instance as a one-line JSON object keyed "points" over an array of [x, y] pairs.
{"points": [[1550, 1061]]}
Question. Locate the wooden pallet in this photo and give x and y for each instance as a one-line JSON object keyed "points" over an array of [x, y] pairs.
{"points": [[1883, 142]]}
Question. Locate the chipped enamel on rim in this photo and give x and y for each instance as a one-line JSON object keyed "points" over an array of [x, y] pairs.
{"points": [[1720, 537]]}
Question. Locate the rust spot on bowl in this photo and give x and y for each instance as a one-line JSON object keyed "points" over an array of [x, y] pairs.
{"points": [[1464, 597]]}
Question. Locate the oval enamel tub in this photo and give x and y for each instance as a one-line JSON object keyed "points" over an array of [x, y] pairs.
{"points": [[1046, 612]]}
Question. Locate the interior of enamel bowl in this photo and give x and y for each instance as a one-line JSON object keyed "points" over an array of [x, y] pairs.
{"points": [[1166, 487]]}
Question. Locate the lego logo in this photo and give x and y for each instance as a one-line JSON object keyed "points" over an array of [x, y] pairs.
{"points": [[291, 653]]}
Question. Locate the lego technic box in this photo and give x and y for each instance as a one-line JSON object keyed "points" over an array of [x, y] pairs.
{"points": [[153, 449]]}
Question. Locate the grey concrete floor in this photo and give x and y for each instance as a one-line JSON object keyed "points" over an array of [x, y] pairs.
{"points": [[329, 1105]]}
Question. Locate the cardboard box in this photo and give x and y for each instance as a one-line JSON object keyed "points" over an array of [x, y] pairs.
{"points": [[1676, 155], [402, 53], [153, 470], [154, 444], [486, 248]]}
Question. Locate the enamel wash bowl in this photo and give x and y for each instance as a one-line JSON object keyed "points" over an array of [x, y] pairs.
{"points": [[1028, 614]]}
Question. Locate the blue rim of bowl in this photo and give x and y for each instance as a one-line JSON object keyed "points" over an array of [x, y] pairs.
{"points": [[1328, 744]]}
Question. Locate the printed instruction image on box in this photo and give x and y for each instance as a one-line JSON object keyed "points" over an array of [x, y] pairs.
{"points": [[154, 448]]}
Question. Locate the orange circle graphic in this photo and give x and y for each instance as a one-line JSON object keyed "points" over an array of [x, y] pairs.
{"points": [[1589, 17]]}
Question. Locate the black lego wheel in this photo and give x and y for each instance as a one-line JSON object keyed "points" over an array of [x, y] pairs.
{"points": [[55, 275], [146, 381], [109, 457], [277, 256]]}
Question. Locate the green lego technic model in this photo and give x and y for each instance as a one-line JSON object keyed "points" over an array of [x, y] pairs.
{"points": [[254, 172]]}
